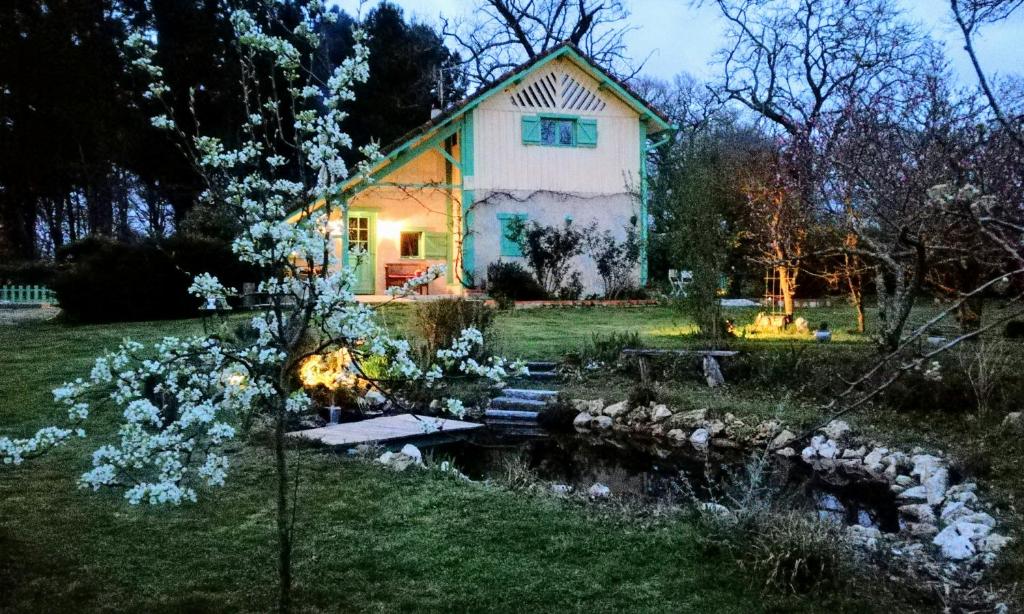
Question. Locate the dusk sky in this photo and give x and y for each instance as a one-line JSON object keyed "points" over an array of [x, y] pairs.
{"points": [[680, 38]]}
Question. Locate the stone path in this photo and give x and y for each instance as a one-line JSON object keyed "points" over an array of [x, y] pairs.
{"points": [[388, 428]]}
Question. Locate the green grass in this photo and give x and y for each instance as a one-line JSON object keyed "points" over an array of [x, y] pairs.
{"points": [[372, 540], [368, 539]]}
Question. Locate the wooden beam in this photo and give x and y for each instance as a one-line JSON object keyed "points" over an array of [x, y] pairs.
{"points": [[701, 353]]}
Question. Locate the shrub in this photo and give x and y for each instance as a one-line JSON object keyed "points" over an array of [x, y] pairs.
{"points": [[442, 321], [1014, 329], [616, 261], [549, 251], [607, 348], [28, 273], [642, 395], [108, 281], [510, 281]]}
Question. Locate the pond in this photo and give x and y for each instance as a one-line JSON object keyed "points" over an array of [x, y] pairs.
{"points": [[646, 471]]}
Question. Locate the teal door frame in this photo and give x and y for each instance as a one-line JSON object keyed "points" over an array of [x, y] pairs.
{"points": [[370, 260]]}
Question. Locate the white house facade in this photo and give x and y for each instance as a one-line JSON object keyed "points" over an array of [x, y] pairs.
{"points": [[558, 138]]}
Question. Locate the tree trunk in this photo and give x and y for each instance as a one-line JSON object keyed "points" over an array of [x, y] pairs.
{"points": [[853, 282], [284, 538], [969, 314], [787, 286]]}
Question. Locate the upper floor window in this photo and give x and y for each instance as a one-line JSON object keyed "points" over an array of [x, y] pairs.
{"points": [[559, 131]]}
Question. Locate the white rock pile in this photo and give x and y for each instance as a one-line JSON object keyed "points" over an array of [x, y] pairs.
{"points": [[941, 523]]}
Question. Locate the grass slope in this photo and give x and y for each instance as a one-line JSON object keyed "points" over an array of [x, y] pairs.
{"points": [[368, 539]]}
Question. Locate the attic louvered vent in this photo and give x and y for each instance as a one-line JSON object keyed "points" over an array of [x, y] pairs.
{"points": [[553, 91]]}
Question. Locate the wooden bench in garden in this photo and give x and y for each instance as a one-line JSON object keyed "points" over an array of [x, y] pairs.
{"points": [[708, 358], [397, 273]]}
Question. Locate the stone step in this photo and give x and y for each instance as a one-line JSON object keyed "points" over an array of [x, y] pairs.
{"points": [[540, 365], [509, 414], [528, 393], [518, 404], [543, 375]]}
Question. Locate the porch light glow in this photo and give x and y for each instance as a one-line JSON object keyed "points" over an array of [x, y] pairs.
{"points": [[329, 370], [389, 229]]}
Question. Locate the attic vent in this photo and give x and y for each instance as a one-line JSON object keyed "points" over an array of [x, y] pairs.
{"points": [[551, 91]]}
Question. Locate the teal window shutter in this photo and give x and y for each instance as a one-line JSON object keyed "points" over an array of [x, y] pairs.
{"points": [[531, 130], [509, 247], [586, 132], [436, 245]]}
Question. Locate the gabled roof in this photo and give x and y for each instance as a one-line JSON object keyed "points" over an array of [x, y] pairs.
{"points": [[656, 120]]}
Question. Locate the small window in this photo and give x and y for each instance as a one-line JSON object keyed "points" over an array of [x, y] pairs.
{"points": [[509, 245], [560, 132], [411, 244]]}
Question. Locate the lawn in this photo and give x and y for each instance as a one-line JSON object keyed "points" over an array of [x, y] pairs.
{"points": [[368, 539]]}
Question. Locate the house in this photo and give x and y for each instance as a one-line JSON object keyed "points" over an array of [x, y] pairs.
{"points": [[557, 138]]}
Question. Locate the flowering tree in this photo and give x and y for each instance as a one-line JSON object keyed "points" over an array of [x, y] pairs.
{"points": [[183, 398]]}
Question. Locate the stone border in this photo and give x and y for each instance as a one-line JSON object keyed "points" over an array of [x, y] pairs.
{"points": [[944, 527]]}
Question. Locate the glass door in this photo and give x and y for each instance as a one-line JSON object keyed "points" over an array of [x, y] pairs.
{"points": [[362, 250]]}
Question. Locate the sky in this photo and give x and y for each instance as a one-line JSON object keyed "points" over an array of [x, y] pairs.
{"points": [[676, 37]]}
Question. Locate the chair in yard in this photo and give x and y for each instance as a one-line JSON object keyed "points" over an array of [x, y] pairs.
{"points": [[679, 280], [397, 273]]}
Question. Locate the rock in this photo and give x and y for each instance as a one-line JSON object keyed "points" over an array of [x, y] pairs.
{"points": [[896, 489], [905, 480], [979, 518], [786, 452], [677, 434], [602, 422], [729, 417], [599, 491], [767, 430], [582, 420], [561, 489], [954, 545], [953, 511], [917, 492], [973, 530], [725, 442], [783, 439], [899, 460], [924, 466], [715, 508], [936, 485], [616, 409], [859, 453], [700, 438], [920, 512], [866, 536], [400, 461], [660, 413], [712, 372], [966, 497], [592, 407], [836, 429], [825, 448], [1014, 421], [994, 543], [716, 427], [873, 459], [689, 419], [922, 530]]}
